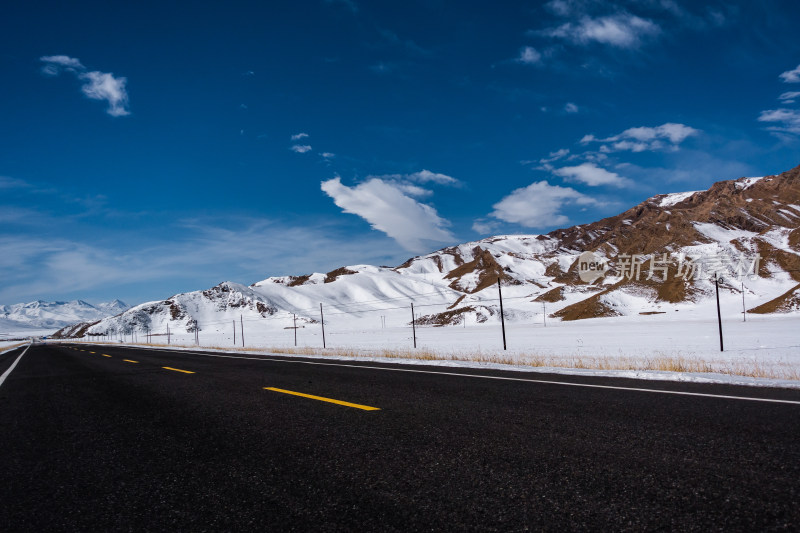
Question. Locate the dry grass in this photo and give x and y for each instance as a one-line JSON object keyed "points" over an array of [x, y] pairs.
{"points": [[752, 368], [12, 346]]}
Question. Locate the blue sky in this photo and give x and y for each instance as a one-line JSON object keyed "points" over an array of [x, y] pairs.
{"points": [[153, 148]]}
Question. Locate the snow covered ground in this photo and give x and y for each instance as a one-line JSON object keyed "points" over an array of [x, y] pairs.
{"points": [[680, 345]]}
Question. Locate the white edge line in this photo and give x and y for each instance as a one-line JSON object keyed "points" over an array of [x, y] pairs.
{"points": [[13, 365], [483, 376]]}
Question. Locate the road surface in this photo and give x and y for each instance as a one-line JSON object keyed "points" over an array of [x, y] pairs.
{"points": [[113, 438]]}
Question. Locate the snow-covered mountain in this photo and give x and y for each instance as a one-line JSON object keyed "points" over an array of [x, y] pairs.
{"points": [[662, 254], [51, 316]]}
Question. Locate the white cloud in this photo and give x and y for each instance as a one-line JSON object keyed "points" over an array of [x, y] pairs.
{"points": [[411, 189], [676, 133], [327, 155], [422, 176], [592, 175], [645, 138], [389, 208], [529, 56], [538, 205], [484, 226], [298, 136], [622, 30], [54, 64], [788, 120], [791, 76], [562, 8], [104, 86], [425, 176], [300, 148], [789, 97], [570, 108], [555, 156], [97, 85]]}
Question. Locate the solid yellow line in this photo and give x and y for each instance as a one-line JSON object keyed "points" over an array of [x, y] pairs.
{"points": [[130, 361], [91, 352], [104, 355], [329, 400], [177, 370]]}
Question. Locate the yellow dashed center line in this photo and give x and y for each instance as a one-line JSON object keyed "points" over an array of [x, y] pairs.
{"points": [[130, 361], [104, 355], [329, 400], [177, 370]]}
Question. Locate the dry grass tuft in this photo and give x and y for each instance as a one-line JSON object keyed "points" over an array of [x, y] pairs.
{"points": [[12, 346]]}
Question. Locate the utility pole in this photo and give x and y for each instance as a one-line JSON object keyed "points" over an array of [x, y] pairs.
{"points": [[294, 318], [413, 325], [241, 323], [168, 338], [544, 315], [234, 333], [502, 318], [744, 309], [719, 314], [322, 319]]}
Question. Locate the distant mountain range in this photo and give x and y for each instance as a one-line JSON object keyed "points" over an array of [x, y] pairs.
{"points": [[651, 249], [52, 316]]}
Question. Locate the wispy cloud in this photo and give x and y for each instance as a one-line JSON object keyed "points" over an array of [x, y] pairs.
{"points": [[598, 162], [538, 205], [569, 107], [422, 176], [54, 64], [529, 56], [484, 226], [789, 97], [640, 139], [621, 30], [553, 156], [300, 148], [389, 207], [592, 175], [425, 176], [785, 120], [97, 85], [791, 76], [104, 86], [298, 136], [13, 183], [197, 254]]}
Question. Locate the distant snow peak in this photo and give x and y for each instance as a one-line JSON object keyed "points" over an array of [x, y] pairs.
{"points": [[54, 315]]}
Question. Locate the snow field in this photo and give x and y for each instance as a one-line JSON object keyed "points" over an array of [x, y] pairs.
{"points": [[676, 347]]}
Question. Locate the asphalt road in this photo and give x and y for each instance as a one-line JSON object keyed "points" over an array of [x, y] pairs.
{"points": [[113, 440]]}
